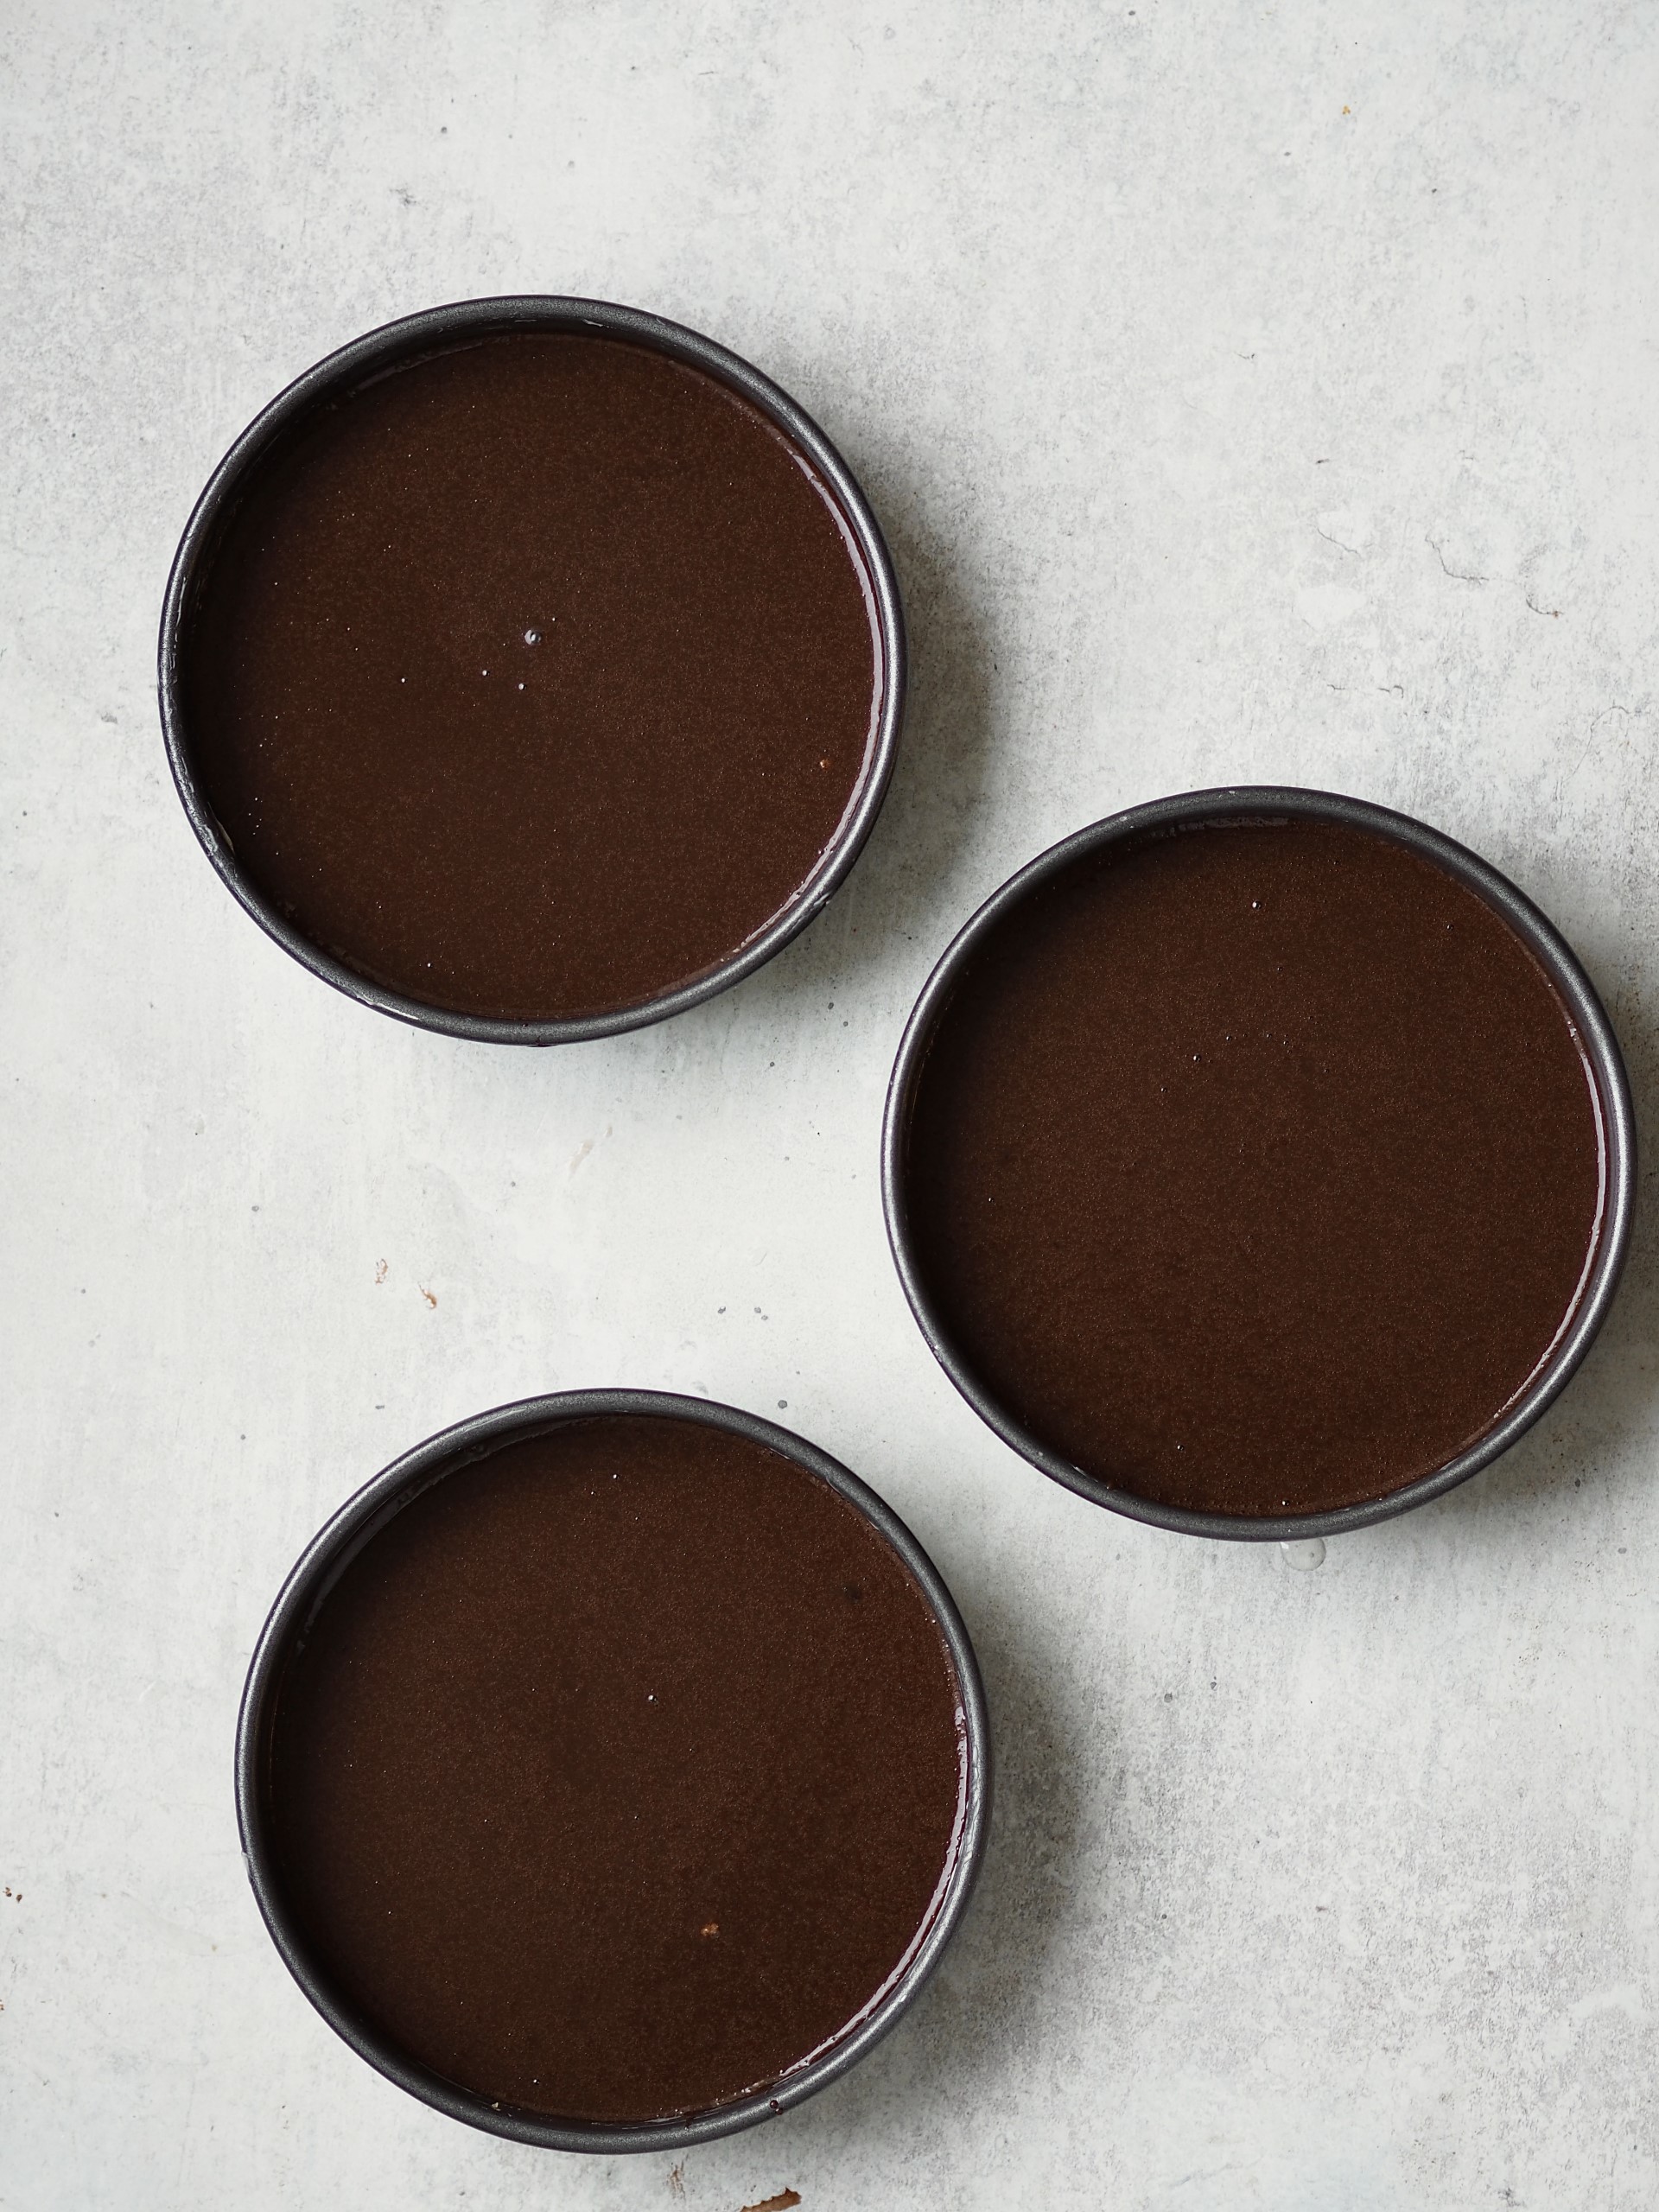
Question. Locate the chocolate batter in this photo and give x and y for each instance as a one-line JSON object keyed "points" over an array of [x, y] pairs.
{"points": [[1256, 1170], [620, 1772], [534, 679]]}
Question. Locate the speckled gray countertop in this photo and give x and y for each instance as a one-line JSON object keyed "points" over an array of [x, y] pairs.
{"points": [[1249, 393]]}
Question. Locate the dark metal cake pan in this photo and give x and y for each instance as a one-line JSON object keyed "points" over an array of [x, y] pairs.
{"points": [[1601, 1052], [328, 1557], [398, 344]]}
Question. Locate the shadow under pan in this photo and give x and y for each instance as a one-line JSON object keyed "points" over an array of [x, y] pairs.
{"points": [[1247, 1164]]}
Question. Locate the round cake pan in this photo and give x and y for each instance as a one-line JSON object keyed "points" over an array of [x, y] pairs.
{"points": [[394, 346], [328, 1555], [1596, 1036]]}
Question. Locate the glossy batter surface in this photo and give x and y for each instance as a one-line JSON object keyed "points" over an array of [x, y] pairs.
{"points": [[620, 1772], [534, 679], [1257, 1169]]}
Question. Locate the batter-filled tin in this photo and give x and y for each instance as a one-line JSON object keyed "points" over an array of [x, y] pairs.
{"points": [[1259, 1162], [531, 669], [612, 1771]]}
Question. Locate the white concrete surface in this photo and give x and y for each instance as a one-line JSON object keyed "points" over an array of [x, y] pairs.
{"points": [[1249, 392]]}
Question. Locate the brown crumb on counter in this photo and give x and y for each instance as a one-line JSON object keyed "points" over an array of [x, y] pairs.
{"points": [[781, 2202], [677, 2178], [427, 1296]]}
